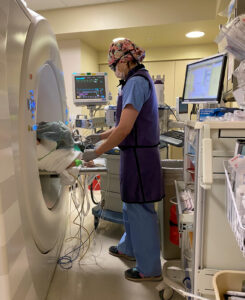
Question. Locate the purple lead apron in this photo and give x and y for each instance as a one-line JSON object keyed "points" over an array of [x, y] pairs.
{"points": [[140, 166]]}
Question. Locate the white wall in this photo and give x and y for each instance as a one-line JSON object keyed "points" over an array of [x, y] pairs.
{"points": [[71, 57], [89, 59], [76, 56]]}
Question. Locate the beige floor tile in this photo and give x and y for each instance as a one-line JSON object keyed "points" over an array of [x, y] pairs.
{"points": [[99, 276]]}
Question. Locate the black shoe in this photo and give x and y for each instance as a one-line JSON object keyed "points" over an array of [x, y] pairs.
{"points": [[134, 275], [114, 251]]}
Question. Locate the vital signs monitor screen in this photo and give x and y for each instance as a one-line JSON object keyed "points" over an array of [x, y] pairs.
{"points": [[90, 88], [204, 80]]}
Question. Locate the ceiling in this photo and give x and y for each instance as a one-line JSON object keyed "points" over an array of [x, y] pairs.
{"points": [[165, 35], [56, 4]]}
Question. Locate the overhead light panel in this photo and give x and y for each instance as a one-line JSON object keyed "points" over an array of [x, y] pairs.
{"points": [[195, 34], [118, 39]]}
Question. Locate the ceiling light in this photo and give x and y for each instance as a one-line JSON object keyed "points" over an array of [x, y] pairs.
{"points": [[195, 34], [118, 39]]}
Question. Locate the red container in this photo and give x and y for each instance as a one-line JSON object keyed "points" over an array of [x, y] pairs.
{"points": [[95, 184], [173, 222]]}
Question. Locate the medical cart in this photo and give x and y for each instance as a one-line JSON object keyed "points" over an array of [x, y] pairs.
{"points": [[207, 242], [110, 208]]}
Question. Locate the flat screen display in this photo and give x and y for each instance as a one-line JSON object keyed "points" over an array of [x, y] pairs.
{"points": [[90, 88], [204, 80]]}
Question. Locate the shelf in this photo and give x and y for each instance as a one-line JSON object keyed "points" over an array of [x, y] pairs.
{"points": [[192, 158], [174, 275], [234, 216], [186, 217], [187, 255], [217, 124], [82, 170]]}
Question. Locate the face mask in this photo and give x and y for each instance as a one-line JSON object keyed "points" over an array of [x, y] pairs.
{"points": [[119, 74]]}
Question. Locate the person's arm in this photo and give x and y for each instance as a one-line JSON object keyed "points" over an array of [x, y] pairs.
{"points": [[96, 137], [106, 134], [119, 133]]}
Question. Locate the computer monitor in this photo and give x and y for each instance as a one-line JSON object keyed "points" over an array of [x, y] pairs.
{"points": [[204, 80], [90, 88]]}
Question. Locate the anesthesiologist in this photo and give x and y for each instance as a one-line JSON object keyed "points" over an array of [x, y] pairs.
{"points": [[137, 135]]}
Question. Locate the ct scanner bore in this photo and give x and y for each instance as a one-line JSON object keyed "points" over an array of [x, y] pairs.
{"points": [[35, 92]]}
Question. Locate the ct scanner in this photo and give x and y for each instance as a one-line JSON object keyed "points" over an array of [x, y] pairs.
{"points": [[32, 207]]}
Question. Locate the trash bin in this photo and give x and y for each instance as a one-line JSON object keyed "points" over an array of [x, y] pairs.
{"points": [[224, 281], [172, 170]]}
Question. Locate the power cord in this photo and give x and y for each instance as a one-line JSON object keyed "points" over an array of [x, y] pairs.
{"points": [[171, 111], [193, 110], [66, 261]]}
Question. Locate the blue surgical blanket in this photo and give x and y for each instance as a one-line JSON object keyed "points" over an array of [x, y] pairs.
{"points": [[56, 131]]}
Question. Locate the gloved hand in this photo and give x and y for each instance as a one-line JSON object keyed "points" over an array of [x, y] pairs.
{"points": [[89, 154], [93, 139]]}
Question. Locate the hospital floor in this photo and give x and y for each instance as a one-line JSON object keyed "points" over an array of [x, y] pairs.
{"points": [[99, 275]]}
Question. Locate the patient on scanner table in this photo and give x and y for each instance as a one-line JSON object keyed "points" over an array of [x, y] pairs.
{"points": [[57, 152]]}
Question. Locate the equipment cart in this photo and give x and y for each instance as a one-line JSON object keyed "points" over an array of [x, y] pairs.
{"points": [[206, 239], [110, 206]]}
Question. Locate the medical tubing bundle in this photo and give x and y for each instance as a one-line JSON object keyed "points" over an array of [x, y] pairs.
{"points": [[171, 111], [67, 260]]}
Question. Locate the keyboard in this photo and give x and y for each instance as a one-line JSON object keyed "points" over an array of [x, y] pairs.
{"points": [[173, 137]]}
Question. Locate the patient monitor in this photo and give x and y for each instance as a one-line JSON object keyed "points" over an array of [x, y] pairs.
{"points": [[90, 88]]}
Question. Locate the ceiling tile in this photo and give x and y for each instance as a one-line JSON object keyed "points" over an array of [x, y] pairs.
{"points": [[47, 4], [44, 4], [70, 3]]}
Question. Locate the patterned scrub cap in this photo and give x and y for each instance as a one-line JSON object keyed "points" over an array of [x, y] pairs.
{"points": [[124, 46]]}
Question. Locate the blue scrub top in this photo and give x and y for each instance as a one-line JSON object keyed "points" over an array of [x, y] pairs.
{"points": [[136, 92]]}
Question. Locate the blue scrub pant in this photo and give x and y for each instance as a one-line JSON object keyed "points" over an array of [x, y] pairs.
{"points": [[141, 238]]}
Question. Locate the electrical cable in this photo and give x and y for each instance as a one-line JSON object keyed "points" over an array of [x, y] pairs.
{"points": [[67, 260], [193, 110], [82, 247], [171, 111], [92, 188]]}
